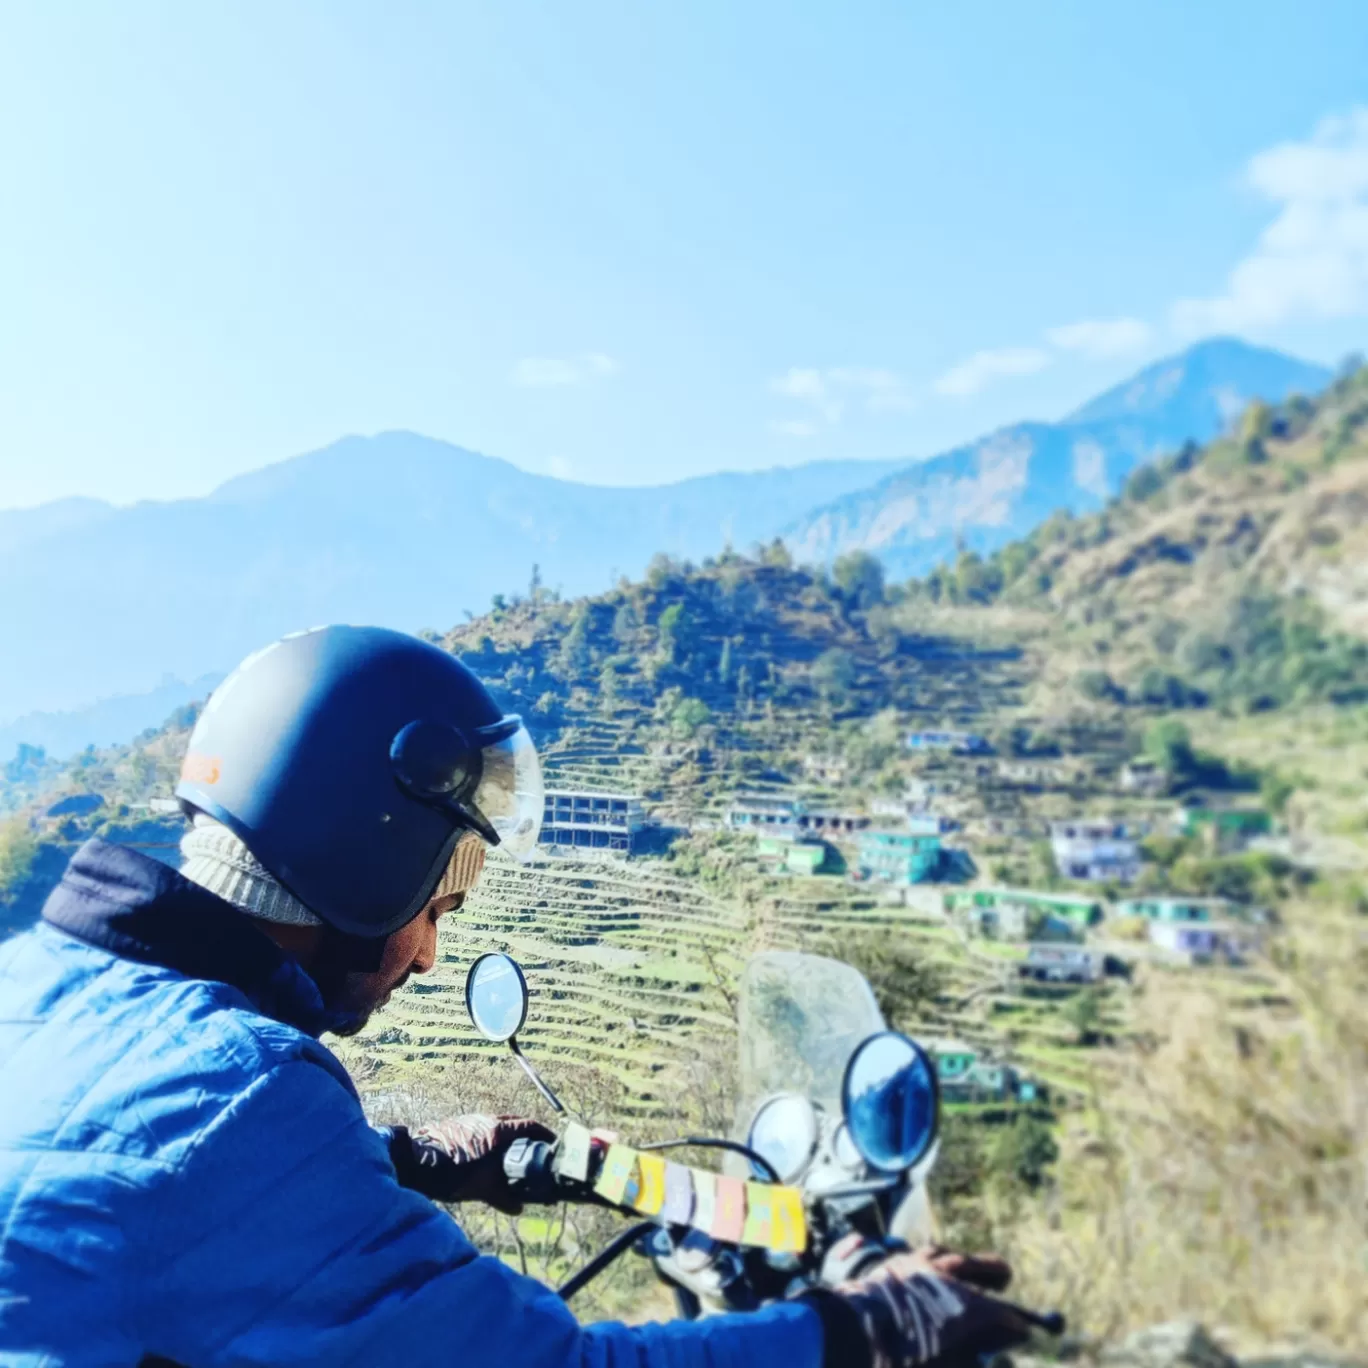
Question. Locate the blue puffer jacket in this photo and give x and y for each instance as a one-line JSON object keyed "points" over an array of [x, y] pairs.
{"points": [[186, 1173]]}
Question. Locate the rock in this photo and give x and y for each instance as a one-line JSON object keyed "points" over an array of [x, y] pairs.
{"points": [[1302, 1358], [1177, 1344]]}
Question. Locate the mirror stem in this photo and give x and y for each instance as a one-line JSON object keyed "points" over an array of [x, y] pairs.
{"points": [[535, 1076]]}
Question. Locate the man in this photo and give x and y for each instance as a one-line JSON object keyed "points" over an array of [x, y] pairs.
{"points": [[186, 1174]]}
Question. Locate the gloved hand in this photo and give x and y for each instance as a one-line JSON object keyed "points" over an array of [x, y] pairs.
{"points": [[914, 1308], [461, 1159]]}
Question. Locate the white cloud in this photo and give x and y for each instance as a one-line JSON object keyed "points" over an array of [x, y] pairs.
{"points": [[970, 376], [1312, 259], [884, 392], [1100, 337], [542, 372], [793, 427], [809, 387], [827, 391]]}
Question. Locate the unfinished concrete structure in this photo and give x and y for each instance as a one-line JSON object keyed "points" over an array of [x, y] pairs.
{"points": [[597, 821]]}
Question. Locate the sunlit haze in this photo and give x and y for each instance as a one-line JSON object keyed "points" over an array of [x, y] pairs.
{"points": [[627, 243]]}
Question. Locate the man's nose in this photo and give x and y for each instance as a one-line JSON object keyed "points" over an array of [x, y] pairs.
{"points": [[427, 952]]}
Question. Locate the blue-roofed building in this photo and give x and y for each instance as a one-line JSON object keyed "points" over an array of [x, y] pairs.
{"points": [[956, 742]]}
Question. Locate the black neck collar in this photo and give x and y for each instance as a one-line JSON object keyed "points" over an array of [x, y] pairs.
{"points": [[138, 909]]}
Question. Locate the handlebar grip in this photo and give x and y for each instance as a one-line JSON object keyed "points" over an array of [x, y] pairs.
{"points": [[529, 1167]]}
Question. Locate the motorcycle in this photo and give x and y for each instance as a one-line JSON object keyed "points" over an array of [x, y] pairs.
{"points": [[840, 1117]]}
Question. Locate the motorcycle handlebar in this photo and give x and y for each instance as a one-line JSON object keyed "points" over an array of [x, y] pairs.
{"points": [[530, 1172]]}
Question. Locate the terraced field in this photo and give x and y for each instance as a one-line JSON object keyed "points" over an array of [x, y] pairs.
{"points": [[627, 968], [632, 972]]}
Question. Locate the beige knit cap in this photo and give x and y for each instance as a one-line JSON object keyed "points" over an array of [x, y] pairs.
{"points": [[216, 859]]}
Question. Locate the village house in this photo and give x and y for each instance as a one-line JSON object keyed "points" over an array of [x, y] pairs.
{"points": [[763, 812], [897, 811], [831, 770], [1144, 778], [921, 793], [900, 857], [1051, 963], [1095, 851], [1020, 922], [595, 821], [1040, 774], [840, 821], [1172, 909], [955, 742], [1225, 828], [1078, 912], [1195, 942], [965, 1075], [796, 854]]}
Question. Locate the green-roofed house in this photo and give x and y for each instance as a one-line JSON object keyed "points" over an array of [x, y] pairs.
{"points": [[965, 1075], [901, 857], [1080, 912], [797, 854], [1172, 909], [806, 857], [1227, 828]]}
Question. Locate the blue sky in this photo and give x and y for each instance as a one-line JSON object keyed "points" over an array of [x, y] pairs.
{"points": [[627, 242]]}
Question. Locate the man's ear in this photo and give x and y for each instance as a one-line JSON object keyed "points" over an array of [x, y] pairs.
{"points": [[302, 942], [450, 902]]}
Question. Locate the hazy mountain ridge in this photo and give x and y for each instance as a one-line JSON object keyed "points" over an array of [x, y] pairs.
{"points": [[993, 491], [1232, 575], [109, 722], [396, 529], [407, 531]]}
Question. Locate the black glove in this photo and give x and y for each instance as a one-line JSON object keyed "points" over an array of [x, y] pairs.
{"points": [[912, 1309], [461, 1159]]}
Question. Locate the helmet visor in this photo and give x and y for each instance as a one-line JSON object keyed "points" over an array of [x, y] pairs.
{"points": [[510, 795]]}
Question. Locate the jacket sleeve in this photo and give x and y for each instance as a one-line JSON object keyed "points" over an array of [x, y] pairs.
{"points": [[285, 1239]]}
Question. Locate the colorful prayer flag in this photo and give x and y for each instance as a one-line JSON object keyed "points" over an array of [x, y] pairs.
{"points": [[759, 1226], [679, 1195], [572, 1161], [651, 1196], [789, 1235], [705, 1200], [619, 1167], [731, 1210]]}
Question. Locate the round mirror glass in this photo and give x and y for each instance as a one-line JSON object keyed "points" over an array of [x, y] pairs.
{"points": [[785, 1132], [891, 1101], [496, 996], [843, 1150]]}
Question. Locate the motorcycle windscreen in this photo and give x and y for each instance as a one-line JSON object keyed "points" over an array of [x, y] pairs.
{"points": [[800, 1019], [511, 795]]}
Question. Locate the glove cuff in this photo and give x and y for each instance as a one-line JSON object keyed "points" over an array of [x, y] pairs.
{"points": [[845, 1342], [403, 1156]]}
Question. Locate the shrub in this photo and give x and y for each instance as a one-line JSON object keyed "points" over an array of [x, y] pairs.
{"points": [[1224, 1173], [18, 851], [833, 673], [1022, 1153], [860, 579], [1098, 685], [689, 715]]}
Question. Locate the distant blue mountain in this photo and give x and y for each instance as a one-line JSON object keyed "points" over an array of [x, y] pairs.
{"points": [[405, 531], [997, 489], [109, 722], [396, 529]]}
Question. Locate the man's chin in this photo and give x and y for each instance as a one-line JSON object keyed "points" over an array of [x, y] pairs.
{"points": [[355, 1025]]}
